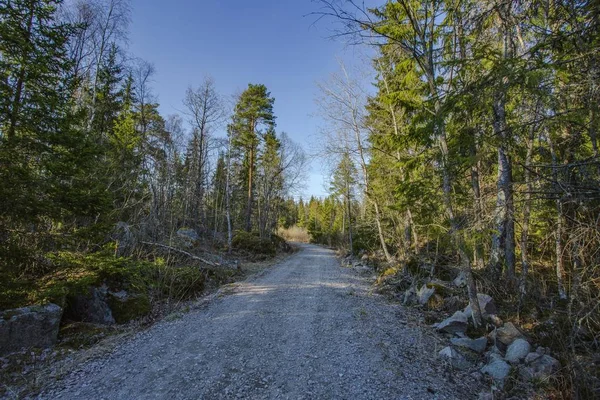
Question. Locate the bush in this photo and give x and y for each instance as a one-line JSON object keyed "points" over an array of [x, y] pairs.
{"points": [[253, 243]]}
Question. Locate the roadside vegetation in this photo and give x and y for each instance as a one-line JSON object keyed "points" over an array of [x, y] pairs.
{"points": [[476, 153]]}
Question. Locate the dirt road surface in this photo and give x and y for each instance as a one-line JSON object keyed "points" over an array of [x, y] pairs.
{"points": [[306, 329]]}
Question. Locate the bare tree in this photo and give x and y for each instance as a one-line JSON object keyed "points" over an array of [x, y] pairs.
{"points": [[204, 108], [343, 104]]}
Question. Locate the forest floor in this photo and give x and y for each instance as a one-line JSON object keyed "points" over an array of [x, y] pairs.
{"points": [[305, 329]]}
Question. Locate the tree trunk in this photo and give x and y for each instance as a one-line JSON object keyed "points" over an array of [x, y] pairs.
{"points": [[526, 214], [228, 198], [250, 190], [503, 239], [558, 234]]}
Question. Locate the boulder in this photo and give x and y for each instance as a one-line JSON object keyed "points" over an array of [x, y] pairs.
{"points": [[455, 358], [539, 367], [476, 345], [92, 307], [35, 326], [126, 307], [486, 304], [497, 369], [424, 294], [455, 324], [187, 237], [507, 334], [517, 351]]}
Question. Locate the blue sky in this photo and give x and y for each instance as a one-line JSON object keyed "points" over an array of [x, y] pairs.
{"points": [[237, 42]]}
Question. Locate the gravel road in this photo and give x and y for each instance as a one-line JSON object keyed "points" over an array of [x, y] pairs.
{"points": [[306, 329]]}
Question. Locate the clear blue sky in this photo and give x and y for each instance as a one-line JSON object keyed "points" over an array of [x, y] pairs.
{"points": [[239, 42]]}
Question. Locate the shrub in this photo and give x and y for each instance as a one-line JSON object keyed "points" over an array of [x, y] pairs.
{"points": [[253, 243]]}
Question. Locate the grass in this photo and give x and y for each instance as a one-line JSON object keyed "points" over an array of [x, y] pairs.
{"points": [[294, 234]]}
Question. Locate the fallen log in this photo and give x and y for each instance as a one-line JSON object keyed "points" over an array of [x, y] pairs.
{"points": [[190, 255]]}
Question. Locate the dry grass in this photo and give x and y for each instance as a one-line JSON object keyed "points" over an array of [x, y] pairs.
{"points": [[294, 234]]}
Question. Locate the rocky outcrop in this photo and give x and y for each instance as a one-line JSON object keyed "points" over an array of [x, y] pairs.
{"points": [[28, 327], [92, 307], [126, 307]]}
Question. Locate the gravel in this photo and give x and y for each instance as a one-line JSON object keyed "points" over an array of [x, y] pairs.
{"points": [[306, 329]]}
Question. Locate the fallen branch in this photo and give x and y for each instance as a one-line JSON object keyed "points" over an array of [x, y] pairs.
{"points": [[190, 255]]}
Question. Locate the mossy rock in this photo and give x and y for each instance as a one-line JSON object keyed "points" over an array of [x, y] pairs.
{"points": [[127, 307]]}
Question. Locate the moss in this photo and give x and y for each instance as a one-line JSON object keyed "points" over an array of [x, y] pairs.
{"points": [[82, 335], [129, 308]]}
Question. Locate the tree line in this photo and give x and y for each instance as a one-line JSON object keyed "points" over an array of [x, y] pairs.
{"points": [[88, 161]]}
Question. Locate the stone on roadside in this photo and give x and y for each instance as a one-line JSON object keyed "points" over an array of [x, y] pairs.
{"points": [[476, 345], [424, 294], [517, 351], [27, 327], [497, 369], [454, 324], [486, 304], [540, 367], [507, 334], [455, 358], [410, 297]]}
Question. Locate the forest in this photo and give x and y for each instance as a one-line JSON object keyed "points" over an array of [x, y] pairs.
{"points": [[478, 150], [94, 179], [474, 149]]}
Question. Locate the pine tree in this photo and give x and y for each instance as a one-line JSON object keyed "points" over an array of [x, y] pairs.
{"points": [[253, 116]]}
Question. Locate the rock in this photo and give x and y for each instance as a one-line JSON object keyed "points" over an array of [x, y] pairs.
{"points": [[531, 357], [476, 345], [456, 323], [485, 396], [126, 307], [542, 350], [187, 237], [455, 358], [460, 280], [540, 367], [424, 294], [486, 304], [494, 319], [35, 326], [517, 351], [92, 307], [507, 334], [497, 369], [410, 297]]}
